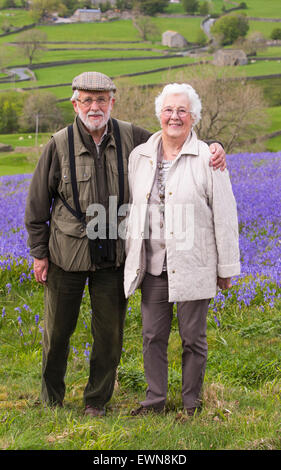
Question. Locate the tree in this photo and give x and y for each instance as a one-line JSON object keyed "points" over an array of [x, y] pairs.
{"points": [[204, 8], [150, 7], [233, 111], [190, 6], [229, 28], [252, 44], [31, 44], [42, 9], [42, 112], [146, 28], [11, 105], [276, 33], [124, 4]]}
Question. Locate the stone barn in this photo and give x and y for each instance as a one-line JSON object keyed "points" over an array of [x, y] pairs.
{"points": [[86, 15], [224, 57], [173, 39]]}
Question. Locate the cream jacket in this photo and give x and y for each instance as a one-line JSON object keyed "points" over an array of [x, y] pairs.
{"points": [[201, 226]]}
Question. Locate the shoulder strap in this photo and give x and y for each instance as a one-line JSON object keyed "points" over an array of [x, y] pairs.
{"points": [[73, 172], [77, 213], [116, 133]]}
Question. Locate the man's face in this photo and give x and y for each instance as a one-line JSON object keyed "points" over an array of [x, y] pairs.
{"points": [[94, 108]]}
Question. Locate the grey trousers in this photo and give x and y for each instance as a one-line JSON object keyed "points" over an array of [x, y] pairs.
{"points": [[157, 313], [63, 296]]}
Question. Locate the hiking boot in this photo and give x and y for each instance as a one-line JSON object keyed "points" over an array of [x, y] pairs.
{"points": [[144, 410], [93, 411]]}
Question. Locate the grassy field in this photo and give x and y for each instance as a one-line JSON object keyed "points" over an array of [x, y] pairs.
{"points": [[255, 8], [15, 17], [242, 387]]}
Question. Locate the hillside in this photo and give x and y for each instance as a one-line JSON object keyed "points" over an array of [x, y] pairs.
{"points": [[115, 48]]}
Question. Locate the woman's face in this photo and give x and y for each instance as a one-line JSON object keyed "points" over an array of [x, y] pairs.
{"points": [[176, 119]]}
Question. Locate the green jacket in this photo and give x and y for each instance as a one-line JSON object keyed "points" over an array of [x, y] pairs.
{"points": [[52, 230]]}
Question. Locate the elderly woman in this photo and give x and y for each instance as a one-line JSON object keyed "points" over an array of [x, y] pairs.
{"points": [[182, 243]]}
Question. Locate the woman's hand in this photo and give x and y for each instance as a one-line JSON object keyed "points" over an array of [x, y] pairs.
{"points": [[224, 283], [218, 159]]}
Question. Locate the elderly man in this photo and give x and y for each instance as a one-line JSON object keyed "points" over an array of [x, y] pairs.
{"points": [[83, 164]]}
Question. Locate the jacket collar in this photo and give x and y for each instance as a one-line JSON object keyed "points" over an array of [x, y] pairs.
{"points": [[80, 134], [190, 146]]}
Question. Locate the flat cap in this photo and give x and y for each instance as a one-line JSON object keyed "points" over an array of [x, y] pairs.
{"points": [[93, 81]]}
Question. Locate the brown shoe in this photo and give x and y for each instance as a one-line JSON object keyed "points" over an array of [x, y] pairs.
{"points": [[186, 414], [144, 410], [94, 412], [190, 411]]}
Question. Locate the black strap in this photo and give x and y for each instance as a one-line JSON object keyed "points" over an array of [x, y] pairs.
{"points": [[116, 132], [78, 213]]}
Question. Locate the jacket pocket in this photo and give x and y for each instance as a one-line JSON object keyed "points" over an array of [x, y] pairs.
{"points": [[84, 184]]}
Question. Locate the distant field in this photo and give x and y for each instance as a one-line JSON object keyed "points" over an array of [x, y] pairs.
{"points": [[74, 54], [15, 17], [263, 27], [274, 51], [262, 67], [256, 8], [275, 115], [65, 73], [23, 140], [274, 144], [122, 30]]}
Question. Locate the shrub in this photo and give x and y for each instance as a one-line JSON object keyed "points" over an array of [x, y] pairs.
{"points": [[230, 27], [41, 109], [276, 33], [11, 106]]}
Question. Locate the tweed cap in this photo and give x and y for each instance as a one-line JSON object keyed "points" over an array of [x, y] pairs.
{"points": [[93, 81]]}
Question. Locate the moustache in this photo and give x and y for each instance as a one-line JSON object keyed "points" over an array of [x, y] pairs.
{"points": [[91, 113]]}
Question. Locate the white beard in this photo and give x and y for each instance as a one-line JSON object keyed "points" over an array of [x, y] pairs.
{"points": [[91, 126]]}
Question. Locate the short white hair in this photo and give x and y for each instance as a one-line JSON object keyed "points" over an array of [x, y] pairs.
{"points": [[177, 89], [76, 95]]}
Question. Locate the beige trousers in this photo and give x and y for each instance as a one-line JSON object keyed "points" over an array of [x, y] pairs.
{"points": [[157, 313]]}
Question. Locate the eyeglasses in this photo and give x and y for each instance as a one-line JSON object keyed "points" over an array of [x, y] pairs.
{"points": [[181, 112], [87, 102]]}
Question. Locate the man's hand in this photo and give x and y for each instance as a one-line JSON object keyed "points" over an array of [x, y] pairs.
{"points": [[218, 159], [224, 283], [41, 267]]}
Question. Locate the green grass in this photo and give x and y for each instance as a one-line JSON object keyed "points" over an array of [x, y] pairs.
{"points": [[270, 52], [256, 8], [275, 115], [241, 390], [274, 144], [65, 73], [55, 56], [15, 17], [122, 30], [188, 27], [263, 27], [14, 164], [23, 140]]}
